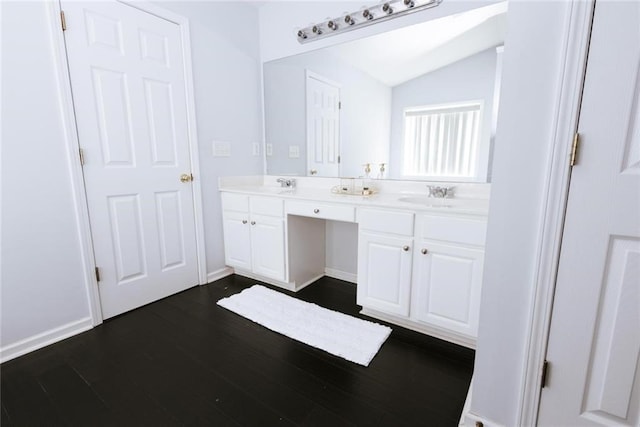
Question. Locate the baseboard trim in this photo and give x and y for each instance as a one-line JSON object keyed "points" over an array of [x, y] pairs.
{"points": [[341, 275], [433, 331], [219, 274], [44, 339], [473, 420]]}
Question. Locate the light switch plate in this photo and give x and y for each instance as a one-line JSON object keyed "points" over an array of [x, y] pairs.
{"points": [[221, 149], [255, 149], [294, 151], [269, 149]]}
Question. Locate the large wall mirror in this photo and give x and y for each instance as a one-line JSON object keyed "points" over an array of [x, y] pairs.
{"points": [[416, 103]]}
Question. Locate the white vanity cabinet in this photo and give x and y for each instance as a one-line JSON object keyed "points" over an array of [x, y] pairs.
{"points": [[419, 265], [254, 234], [385, 246], [426, 277], [447, 272]]}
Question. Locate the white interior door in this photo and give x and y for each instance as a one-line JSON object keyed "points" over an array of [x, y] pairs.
{"points": [[594, 342], [128, 83], [323, 127]]}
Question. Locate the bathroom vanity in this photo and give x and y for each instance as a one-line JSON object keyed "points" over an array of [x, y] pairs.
{"points": [[419, 259]]}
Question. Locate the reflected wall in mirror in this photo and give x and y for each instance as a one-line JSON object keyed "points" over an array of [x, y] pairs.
{"points": [[419, 102]]}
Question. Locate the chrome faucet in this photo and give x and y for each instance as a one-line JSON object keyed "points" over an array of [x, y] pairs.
{"points": [[287, 183], [440, 192]]}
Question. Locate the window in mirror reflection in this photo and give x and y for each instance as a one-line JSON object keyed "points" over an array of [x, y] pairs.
{"points": [[442, 141]]}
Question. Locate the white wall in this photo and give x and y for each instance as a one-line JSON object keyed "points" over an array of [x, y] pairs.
{"points": [[471, 79], [364, 117], [533, 60], [42, 285], [227, 84]]}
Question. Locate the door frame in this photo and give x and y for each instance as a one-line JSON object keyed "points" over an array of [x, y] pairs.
{"points": [[549, 241], [72, 143]]}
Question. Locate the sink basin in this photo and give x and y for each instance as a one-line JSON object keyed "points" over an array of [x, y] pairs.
{"points": [[273, 190], [426, 201]]}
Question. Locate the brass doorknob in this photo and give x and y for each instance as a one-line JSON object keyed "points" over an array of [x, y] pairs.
{"points": [[186, 177], [313, 171]]}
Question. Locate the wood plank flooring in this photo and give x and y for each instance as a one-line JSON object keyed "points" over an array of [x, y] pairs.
{"points": [[186, 361]]}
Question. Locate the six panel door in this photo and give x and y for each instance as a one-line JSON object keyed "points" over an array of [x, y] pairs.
{"points": [[127, 76]]}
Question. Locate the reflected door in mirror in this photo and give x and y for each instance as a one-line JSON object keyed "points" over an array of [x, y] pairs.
{"points": [[323, 126]]}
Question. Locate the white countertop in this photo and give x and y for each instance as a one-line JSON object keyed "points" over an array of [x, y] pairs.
{"points": [[388, 196]]}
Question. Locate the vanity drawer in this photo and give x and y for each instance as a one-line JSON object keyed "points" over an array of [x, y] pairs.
{"points": [[452, 229], [235, 202], [271, 206], [321, 210], [384, 221]]}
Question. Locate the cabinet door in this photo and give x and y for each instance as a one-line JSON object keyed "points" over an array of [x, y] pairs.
{"points": [[237, 239], [446, 286], [384, 273], [267, 246]]}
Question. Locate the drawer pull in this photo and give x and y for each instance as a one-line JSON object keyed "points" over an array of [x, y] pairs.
{"points": [[316, 210], [424, 251], [253, 223], [244, 221], [405, 248]]}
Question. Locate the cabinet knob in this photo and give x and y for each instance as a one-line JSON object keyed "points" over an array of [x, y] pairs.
{"points": [[253, 223], [405, 248], [316, 210], [244, 221], [424, 251]]}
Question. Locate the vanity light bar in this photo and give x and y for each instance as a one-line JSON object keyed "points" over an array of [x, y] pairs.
{"points": [[362, 18]]}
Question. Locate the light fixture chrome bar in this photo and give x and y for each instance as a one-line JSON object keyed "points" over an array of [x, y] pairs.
{"points": [[364, 17]]}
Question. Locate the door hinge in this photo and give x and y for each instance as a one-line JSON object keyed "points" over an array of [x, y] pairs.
{"points": [[338, 159], [574, 149], [63, 21], [97, 274], [339, 105], [81, 153], [543, 375]]}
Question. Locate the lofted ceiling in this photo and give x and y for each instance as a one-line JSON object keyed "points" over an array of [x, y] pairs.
{"points": [[406, 53]]}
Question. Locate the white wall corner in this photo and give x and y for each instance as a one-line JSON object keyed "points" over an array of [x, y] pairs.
{"points": [[219, 274], [44, 339]]}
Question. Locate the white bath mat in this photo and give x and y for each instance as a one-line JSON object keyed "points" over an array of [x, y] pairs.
{"points": [[351, 338]]}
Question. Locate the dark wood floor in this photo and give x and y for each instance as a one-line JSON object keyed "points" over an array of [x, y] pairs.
{"points": [[186, 361]]}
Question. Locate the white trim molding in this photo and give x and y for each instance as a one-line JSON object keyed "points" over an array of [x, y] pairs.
{"points": [[75, 167], [219, 274], [553, 212], [341, 275], [44, 339]]}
